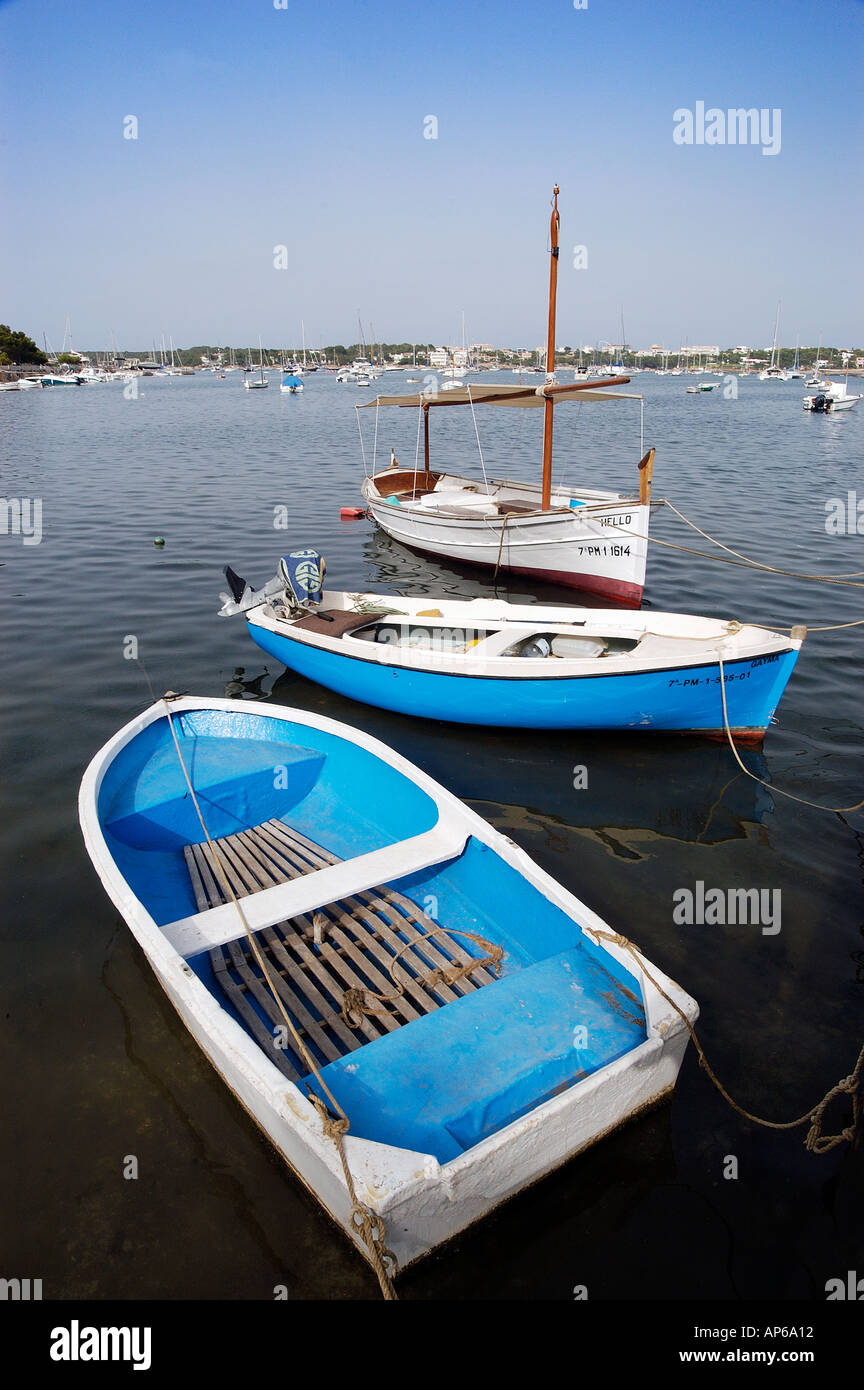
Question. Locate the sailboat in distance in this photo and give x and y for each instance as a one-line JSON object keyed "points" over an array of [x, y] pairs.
{"points": [[262, 383], [586, 538]]}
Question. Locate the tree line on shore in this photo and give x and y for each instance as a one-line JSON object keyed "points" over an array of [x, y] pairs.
{"points": [[16, 348]]}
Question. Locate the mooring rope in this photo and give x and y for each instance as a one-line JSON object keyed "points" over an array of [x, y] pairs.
{"points": [[848, 581], [757, 564], [505, 518], [815, 1141], [817, 805], [365, 1222]]}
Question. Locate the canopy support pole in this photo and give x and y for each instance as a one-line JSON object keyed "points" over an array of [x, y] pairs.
{"points": [[426, 436], [548, 411]]}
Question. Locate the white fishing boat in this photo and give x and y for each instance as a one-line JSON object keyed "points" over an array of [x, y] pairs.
{"points": [[353, 948], [586, 538]]}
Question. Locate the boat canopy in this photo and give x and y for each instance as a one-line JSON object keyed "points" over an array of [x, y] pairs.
{"points": [[523, 396]]}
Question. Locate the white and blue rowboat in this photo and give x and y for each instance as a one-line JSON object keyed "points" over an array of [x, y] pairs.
{"points": [[291, 384], [489, 662], [477, 1023]]}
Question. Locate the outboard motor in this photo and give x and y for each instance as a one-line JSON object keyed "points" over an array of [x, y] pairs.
{"points": [[822, 402], [299, 585], [302, 574]]}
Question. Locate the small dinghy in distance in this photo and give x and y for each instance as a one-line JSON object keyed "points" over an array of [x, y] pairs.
{"points": [[477, 1024], [493, 663]]}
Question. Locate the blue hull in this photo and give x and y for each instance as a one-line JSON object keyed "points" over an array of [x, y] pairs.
{"points": [[686, 699]]}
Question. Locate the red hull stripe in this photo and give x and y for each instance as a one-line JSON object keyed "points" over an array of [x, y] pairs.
{"points": [[621, 590]]}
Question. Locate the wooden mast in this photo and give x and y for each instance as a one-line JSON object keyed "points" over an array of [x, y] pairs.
{"points": [[550, 356]]}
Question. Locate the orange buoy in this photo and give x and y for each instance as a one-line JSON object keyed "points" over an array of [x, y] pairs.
{"points": [[352, 513]]}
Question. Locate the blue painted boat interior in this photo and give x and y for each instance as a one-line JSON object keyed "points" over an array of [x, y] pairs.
{"points": [[245, 769], [561, 1009]]}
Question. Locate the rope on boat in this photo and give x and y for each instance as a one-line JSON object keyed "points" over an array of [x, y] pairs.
{"points": [[477, 436], [815, 1141], [832, 627], [364, 1222], [417, 454], [758, 564], [817, 805], [505, 518], [849, 581], [362, 445], [356, 1002]]}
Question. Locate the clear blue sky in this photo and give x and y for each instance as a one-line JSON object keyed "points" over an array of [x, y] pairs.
{"points": [[304, 126]]}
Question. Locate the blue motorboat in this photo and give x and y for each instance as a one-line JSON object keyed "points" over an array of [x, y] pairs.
{"points": [[489, 662]]}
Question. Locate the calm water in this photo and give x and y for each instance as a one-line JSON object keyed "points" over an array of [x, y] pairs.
{"points": [[96, 1064]]}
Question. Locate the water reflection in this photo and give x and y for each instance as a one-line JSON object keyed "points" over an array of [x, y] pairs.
{"points": [[403, 571], [631, 787], [241, 688]]}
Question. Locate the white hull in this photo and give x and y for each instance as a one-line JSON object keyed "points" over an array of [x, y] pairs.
{"points": [[600, 547], [421, 1201]]}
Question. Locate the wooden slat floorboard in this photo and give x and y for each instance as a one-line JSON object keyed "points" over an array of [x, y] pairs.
{"points": [[377, 941]]}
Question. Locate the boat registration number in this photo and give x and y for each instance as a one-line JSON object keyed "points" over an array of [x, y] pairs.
{"points": [[617, 548], [688, 681]]}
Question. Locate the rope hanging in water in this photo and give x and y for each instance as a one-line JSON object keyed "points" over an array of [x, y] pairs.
{"points": [[802, 801], [815, 1142]]}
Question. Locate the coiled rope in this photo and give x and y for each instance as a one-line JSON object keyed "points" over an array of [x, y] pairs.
{"points": [[357, 1002]]}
